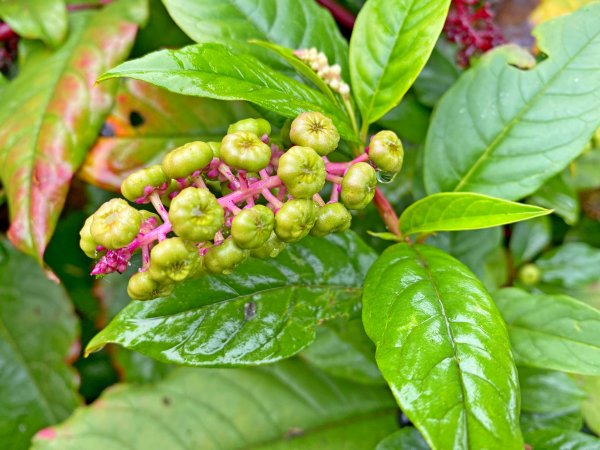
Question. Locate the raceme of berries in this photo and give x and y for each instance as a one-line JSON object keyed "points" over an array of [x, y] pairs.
{"points": [[218, 203]]}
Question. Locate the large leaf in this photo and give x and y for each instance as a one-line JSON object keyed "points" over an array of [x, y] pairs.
{"points": [[390, 44], [571, 265], [455, 211], [37, 19], [443, 348], [215, 71], [51, 115], [529, 238], [282, 406], [546, 391], [552, 331], [504, 131], [549, 9], [263, 312], [38, 331], [167, 121], [290, 23], [558, 439]]}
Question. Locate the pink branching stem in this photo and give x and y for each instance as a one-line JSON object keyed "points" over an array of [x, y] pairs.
{"points": [[199, 182], [334, 179], [145, 257], [253, 189], [226, 172], [160, 208], [233, 208], [244, 185], [319, 200], [340, 168], [335, 193], [281, 192], [218, 237], [386, 211], [277, 204]]}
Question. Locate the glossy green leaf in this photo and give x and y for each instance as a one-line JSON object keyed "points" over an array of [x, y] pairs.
{"points": [[591, 403], [390, 44], [551, 331], [289, 23], [504, 131], [408, 438], [557, 439], [45, 131], [167, 121], [585, 169], [455, 211], [215, 71], [529, 238], [282, 406], [547, 391], [263, 312], [558, 195], [37, 19], [438, 75], [571, 265], [342, 349], [38, 332], [443, 348]]}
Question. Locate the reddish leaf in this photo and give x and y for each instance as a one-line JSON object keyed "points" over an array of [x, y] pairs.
{"points": [[51, 114], [148, 121]]}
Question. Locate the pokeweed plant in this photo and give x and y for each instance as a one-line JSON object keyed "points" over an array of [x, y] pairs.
{"points": [[252, 166]]}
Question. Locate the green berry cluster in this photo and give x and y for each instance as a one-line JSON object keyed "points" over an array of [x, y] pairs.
{"points": [[217, 203]]}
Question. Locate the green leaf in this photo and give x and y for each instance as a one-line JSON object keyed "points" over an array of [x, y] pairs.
{"points": [[265, 311], [560, 196], [342, 349], [167, 121], [546, 391], [214, 71], [557, 439], [504, 131], [529, 238], [571, 265], [455, 211], [591, 412], [282, 406], [45, 132], [551, 331], [585, 169], [390, 44], [37, 19], [38, 331], [407, 438], [288, 23], [443, 348]]}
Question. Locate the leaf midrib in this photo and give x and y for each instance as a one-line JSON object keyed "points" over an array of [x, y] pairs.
{"points": [[517, 118]]}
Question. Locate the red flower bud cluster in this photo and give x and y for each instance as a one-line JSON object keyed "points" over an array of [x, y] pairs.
{"points": [[8, 47]]}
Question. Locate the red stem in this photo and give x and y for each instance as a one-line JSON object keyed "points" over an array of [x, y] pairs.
{"points": [[344, 17], [6, 32], [386, 211]]}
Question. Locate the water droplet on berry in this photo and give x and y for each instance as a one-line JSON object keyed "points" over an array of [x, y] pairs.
{"points": [[385, 177]]}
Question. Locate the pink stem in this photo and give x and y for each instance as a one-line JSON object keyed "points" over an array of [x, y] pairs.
{"points": [[272, 199], [334, 179], [340, 168], [344, 17], [160, 208], [253, 189], [199, 182], [244, 185], [335, 193], [145, 257], [319, 200], [386, 211], [232, 207], [226, 172]]}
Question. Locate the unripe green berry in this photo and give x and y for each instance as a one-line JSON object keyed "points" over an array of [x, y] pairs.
{"points": [[358, 186], [224, 257], [196, 215], [243, 150], [185, 160], [269, 249], [314, 130], [259, 127], [142, 286], [87, 242], [529, 274], [331, 218], [216, 148], [295, 219], [252, 227], [115, 224], [134, 186], [302, 171], [386, 151], [173, 259]]}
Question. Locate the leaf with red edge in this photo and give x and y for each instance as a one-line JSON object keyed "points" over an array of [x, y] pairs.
{"points": [[148, 121], [52, 113]]}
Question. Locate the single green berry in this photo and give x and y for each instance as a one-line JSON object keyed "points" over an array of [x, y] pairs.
{"points": [[284, 134], [386, 151], [173, 259], [295, 219], [196, 215], [224, 257], [252, 227], [302, 171], [134, 186], [142, 286], [259, 127], [358, 186], [115, 224], [270, 249], [529, 274], [331, 218], [216, 149], [243, 150], [187, 159], [314, 130], [87, 242]]}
